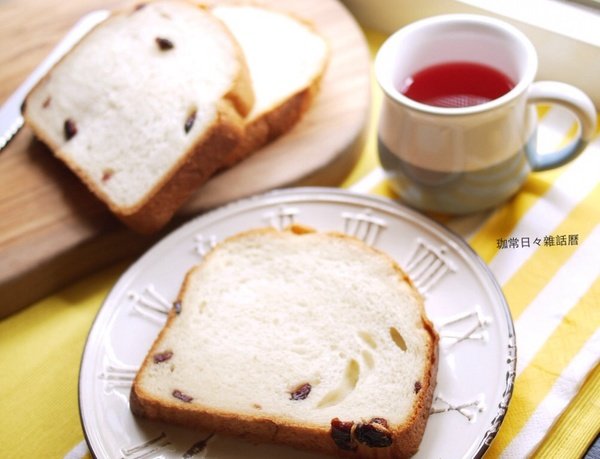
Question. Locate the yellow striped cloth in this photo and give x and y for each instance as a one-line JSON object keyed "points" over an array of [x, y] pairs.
{"points": [[553, 292]]}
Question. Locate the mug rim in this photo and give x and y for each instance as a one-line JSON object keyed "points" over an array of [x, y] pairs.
{"points": [[391, 91]]}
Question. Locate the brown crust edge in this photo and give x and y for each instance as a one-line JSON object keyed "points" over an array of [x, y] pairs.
{"points": [[273, 123], [406, 437], [226, 133], [285, 114], [196, 167]]}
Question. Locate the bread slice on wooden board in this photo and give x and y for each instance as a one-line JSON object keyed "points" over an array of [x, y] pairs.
{"points": [[145, 108], [286, 57], [313, 340]]}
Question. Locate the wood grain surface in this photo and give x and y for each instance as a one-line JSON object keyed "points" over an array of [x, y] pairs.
{"points": [[53, 230]]}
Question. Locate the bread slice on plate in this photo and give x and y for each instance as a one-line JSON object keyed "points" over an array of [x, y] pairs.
{"points": [[287, 59], [145, 108], [313, 340]]}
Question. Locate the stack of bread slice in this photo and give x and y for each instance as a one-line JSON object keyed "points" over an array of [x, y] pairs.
{"points": [[313, 340], [286, 59], [158, 98]]}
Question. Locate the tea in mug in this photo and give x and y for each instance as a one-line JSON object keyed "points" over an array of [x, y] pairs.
{"points": [[456, 84]]}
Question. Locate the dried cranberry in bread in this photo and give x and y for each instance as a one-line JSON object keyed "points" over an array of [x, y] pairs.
{"points": [[286, 58], [145, 108], [312, 340]]}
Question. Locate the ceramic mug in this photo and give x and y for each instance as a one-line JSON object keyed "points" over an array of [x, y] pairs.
{"points": [[459, 160]]}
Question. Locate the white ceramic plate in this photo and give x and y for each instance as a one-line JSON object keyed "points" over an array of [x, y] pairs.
{"points": [[477, 345]]}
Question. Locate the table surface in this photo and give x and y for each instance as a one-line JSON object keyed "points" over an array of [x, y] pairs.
{"points": [[552, 285], [54, 231]]}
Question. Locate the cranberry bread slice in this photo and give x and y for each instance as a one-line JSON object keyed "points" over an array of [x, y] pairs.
{"points": [[145, 108], [287, 58], [312, 340]]}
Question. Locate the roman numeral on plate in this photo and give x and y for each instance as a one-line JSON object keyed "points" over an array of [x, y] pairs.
{"points": [[150, 304], [147, 449], [281, 218], [468, 409], [470, 325], [427, 265], [204, 244], [363, 225], [117, 376]]}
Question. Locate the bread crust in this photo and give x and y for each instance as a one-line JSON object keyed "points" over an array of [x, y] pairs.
{"points": [[206, 155], [195, 168], [274, 123], [283, 116], [271, 429]]}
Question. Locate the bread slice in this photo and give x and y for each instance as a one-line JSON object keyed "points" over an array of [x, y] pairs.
{"points": [[312, 340], [287, 58], [145, 108]]}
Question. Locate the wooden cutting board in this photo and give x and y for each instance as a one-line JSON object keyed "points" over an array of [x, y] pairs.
{"points": [[53, 231]]}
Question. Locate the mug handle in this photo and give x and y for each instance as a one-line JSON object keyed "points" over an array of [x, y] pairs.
{"points": [[575, 100]]}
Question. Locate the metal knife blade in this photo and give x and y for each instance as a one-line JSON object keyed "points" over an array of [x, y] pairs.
{"points": [[11, 120]]}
